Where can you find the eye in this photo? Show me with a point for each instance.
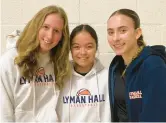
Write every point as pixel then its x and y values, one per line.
pixel 123 31
pixel 45 27
pixel 110 32
pixel 89 46
pixel 56 31
pixel 75 47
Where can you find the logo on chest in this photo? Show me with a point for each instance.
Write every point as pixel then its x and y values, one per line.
pixel 40 78
pixel 135 95
pixel 83 98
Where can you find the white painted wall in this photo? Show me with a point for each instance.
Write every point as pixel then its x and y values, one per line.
pixel 16 13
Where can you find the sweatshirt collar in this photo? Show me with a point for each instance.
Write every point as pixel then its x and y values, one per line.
pixel 97 67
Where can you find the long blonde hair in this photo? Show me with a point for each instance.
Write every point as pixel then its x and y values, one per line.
pixel 28 46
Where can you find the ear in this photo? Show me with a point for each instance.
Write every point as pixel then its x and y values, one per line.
pixel 138 33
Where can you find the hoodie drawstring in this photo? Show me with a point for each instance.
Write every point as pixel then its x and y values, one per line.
pixel 34 100
pixel 70 95
pixel 98 106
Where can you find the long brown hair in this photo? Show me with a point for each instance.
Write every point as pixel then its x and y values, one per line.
pixel 28 46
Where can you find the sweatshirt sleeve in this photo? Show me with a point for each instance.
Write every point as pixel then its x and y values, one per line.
pixel 6 88
pixel 154 95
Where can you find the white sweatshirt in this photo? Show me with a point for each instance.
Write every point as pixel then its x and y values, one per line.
pixel 27 101
pixel 85 98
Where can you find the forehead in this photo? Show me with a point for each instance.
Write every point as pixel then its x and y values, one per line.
pixel 54 19
pixel 83 38
pixel 119 20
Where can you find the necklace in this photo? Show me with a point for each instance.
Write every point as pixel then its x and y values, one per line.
pixel 134 57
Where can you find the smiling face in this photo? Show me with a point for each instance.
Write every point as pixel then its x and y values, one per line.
pixel 122 35
pixel 51 32
pixel 83 50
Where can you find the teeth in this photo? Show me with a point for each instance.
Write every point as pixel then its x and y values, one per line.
pixel 48 42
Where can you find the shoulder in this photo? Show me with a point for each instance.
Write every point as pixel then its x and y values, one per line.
pixel 104 71
pixel 153 57
pixel 153 71
pixel 103 75
pixel 116 60
pixel 152 68
pixel 7 59
pixel 10 53
pixel 154 61
pixel 8 70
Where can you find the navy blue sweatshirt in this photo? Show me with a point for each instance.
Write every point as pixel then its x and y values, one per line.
pixel 145 92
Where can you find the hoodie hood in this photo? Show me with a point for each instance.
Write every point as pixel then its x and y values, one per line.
pixel 12 39
pixel 97 67
pixel 158 50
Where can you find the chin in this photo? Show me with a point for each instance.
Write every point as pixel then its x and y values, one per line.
pixel 118 53
pixel 82 65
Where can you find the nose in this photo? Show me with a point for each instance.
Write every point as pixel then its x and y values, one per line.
pixel 83 51
pixel 49 34
pixel 116 36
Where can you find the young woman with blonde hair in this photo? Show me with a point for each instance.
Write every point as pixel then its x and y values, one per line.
pixel 32 73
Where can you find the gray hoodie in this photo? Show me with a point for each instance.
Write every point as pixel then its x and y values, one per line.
pixel 85 98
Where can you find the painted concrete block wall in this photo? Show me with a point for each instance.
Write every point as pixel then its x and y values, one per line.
pixel 16 13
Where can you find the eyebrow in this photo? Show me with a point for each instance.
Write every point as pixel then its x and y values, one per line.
pixel 109 29
pixel 74 43
pixel 46 24
pixel 78 44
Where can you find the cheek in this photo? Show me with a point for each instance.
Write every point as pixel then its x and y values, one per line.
pixel 73 53
pixel 57 38
pixel 129 39
pixel 92 53
pixel 110 41
pixel 40 35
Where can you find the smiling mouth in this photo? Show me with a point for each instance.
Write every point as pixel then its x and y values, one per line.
pixel 83 58
pixel 119 45
pixel 47 42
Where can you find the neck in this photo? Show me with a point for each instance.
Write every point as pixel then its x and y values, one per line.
pixel 81 69
pixel 44 53
pixel 43 57
pixel 128 57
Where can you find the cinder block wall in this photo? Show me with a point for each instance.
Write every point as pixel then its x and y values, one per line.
pixel 16 13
